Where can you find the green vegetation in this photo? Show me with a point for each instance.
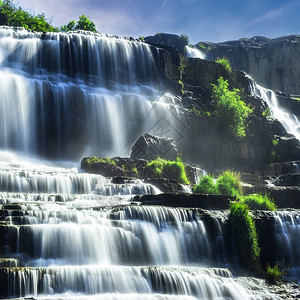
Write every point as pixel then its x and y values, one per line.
pixel 184 38
pixel 245 235
pixel 225 63
pixel 266 113
pixel 206 186
pixel 258 201
pixel 11 15
pixel 274 143
pixel 230 108
pixel 203 47
pixel 168 169
pixel 274 274
pixel 181 68
pixel 94 160
pixel 200 113
pixel 135 171
pixel 83 23
pixel 228 183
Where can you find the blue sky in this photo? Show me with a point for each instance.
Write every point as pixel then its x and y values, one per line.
pixel 209 20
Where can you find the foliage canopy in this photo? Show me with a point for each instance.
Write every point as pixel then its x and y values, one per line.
pixel 12 15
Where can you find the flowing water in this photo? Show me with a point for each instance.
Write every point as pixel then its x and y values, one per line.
pixel 290 121
pixel 287 239
pixel 66 234
pixel 67 95
pixel 194 52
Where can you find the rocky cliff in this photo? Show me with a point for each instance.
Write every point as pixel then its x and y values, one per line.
pixel 273 63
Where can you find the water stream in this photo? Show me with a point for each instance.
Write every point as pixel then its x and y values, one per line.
pixel 66 234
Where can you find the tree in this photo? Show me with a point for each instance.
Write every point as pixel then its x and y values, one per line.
pixel 69 27
pixel 84 23
pixel 15 16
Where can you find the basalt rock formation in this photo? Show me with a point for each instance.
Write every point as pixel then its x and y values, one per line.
pixel 273 63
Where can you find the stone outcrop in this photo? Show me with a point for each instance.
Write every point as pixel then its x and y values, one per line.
pixel 167 39
pixel 149 147
pixel 273 63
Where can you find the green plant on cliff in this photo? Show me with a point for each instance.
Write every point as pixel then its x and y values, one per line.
pixel 266 113
pixel 206 185
pixel 228 183
pixel 95 159
pixel 230 108
pixel 174 169
pixel 259 201
pixel 274 274
pixel 225 63
pixel 12 15
pixel 245 235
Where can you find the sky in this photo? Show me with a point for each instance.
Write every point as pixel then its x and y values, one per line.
pixel 200 20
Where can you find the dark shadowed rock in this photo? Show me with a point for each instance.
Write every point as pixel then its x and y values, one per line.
pixel 150 147
pixel 187 200
pixel 167 39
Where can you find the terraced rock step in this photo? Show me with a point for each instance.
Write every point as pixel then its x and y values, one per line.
pixel 200 283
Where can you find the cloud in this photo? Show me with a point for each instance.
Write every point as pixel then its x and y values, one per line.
pixel 273 14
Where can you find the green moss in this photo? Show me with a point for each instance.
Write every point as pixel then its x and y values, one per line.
pixel 94 159
pixel 245 235
pixel 259 201
pixel 225 63
pixel 135 171
pixel 168 169
pixel 203 47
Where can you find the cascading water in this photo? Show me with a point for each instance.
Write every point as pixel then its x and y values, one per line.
pixel 60 93
pixel 70 235
pixel 287 239
pixel 290 121
pixel 194 52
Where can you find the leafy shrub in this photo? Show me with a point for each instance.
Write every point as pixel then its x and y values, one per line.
pixel 228 183
pixel 206 185
pixel 225 63
pixel 83 23
pixel 230 108
pixel 168 169
pixel 266 113
pixel 259 201
pixel 12 15
pixel 245 235
pixel 94 159
pixel 274 274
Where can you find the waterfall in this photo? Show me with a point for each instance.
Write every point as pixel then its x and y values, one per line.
pixel 65 234
pixel 290 121
pixel 194 52
pixel 287 239
pixel 69 95
pixel 71 235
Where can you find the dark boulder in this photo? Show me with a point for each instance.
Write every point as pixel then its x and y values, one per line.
pixel 150 147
